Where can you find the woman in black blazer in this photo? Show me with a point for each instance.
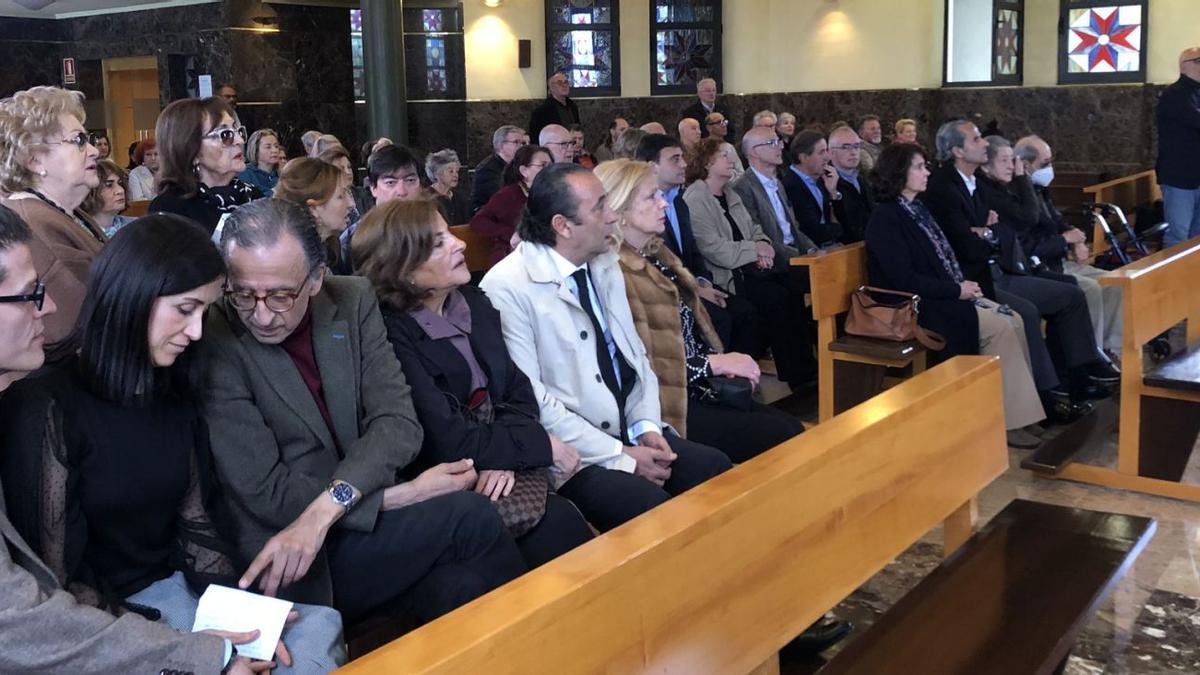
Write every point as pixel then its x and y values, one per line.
pixel 907 251
pixel 472 400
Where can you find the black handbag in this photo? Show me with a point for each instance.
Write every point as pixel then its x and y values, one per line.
pixel 731 392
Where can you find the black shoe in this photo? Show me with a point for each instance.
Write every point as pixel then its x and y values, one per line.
pixel 822 635
pixel 1094 392
pixel 1060 412
pixel 1104 374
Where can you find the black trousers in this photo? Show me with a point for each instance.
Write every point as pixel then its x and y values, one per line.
pixel 423 560
pixel 561 529
pixel 737 325
pixel 740 434
pixel 1064 307
pixel 608 497
pixel 778 301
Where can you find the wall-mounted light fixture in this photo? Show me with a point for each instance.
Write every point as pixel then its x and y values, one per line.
pixel 492 3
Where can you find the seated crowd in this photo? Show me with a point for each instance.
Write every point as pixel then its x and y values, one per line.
pixel 281 381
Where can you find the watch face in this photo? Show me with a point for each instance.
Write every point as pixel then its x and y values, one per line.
pixel 342 493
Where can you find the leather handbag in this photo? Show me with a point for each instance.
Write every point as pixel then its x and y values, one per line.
pixel 731 392
pixel 895 321
pixel 525 505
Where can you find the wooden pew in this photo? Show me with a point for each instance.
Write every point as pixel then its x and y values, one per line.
pixel 850 369
pixel 136 209
pixel 479 248
pixel 1128 193
pixel 1159 410
pixel 720 578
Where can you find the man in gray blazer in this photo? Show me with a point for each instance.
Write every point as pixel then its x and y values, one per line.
pixel 764 198
pixel 311 419
pixel 567 325
pixel 44 629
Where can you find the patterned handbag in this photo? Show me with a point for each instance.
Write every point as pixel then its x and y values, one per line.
pixel 525 505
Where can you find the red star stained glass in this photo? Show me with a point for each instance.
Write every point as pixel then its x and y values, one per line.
pixel 1105 39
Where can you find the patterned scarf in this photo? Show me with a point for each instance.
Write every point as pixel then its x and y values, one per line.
pixel 228 197
pixel 924 219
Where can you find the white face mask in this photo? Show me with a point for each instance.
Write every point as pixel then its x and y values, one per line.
pixel 1043 176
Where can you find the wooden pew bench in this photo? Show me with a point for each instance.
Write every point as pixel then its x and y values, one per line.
pixel 718 579
pixel 136 209
pixel 1159 410
pixel 850 369
pixel 479 248
pixel 1013 599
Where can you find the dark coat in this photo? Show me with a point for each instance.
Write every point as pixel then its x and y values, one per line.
pixel 498 219
pixel 172 200
pixel 441 379
pixel 697 112
pixel 1045 240
pixel 853 210
pixel 686 250
pixel 552 112
pixel 489 178
pixel 900 257
pixel 808 212
pixel 1178 117
pixel 956 211
pixel 1017 207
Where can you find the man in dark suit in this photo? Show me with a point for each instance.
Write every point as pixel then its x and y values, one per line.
pixel 853 210
pixel 489 174
pixel 811 185
pixel 310 420
pixel 558 108
pixel 732 317
pixel 764 198
pixel 706 102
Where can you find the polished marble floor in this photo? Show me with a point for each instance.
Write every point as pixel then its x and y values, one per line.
pixel 1150 623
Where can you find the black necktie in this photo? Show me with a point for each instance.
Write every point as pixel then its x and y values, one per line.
pixel 604 358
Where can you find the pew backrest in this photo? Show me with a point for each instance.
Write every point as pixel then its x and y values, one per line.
pixel 1128 192
pixel 479 248
pixel 1158 293
pixel 136 209
pixel 835 274
pixel 718 579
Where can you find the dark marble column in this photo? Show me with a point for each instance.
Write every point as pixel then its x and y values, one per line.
pixel 383 51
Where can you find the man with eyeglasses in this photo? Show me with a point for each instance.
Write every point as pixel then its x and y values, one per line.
pixel 44 629
pixel 311 420
pixel 853 210
pixel 489 173
pixel 557 139
pixel 558 108
pixel 706 103
pixel 764 198
pixel 1178 167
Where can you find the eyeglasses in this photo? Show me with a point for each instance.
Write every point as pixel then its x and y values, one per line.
pixel 276 301
pixel 37 297
pixel 718 123
pixel 227 135
pixel 519 142
pixel 80 140
pixel 559 143
pixel 847 146
pixel 774 143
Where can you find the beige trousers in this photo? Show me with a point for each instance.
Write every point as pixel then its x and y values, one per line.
pixel 1004 336
pixel 1105 304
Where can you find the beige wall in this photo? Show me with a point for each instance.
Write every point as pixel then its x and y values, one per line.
pixel 794 45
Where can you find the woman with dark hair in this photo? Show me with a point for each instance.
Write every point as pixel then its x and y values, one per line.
pixel 471 399
pixel 324 190
pixel 201 153
pixel 134 162
pixel 907 251
pixel 498 217
pixel 682 344
pixel 604 151
pixel 742 260
pixel 105 202
pixel 106 459
pixel 102 144
pixel 262 160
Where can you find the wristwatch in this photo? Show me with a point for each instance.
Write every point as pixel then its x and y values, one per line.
pixel 342 493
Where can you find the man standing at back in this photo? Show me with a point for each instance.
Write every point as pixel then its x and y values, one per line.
pixel 567 324
pixel 706 95
pixel 558 108
pixel 310 420
pixel 1178 166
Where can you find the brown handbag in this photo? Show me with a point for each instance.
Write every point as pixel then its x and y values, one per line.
pixel 896 321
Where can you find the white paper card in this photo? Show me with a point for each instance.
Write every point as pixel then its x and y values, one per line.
pixel 204 84
pixel 224 608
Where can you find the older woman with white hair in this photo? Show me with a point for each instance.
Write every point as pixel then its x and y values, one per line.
pixel 47 169
pixel 442 168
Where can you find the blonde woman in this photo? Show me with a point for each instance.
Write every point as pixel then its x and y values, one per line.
pixel 324 190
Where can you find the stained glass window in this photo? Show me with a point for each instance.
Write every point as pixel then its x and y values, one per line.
pixel 685 38
pixel 1000 24
pixel 434 58
pixel 583 41
pixel 1102 41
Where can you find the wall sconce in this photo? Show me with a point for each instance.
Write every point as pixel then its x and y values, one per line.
pixel 492 3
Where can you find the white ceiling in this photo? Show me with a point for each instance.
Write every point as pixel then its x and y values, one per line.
pixel 65 9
